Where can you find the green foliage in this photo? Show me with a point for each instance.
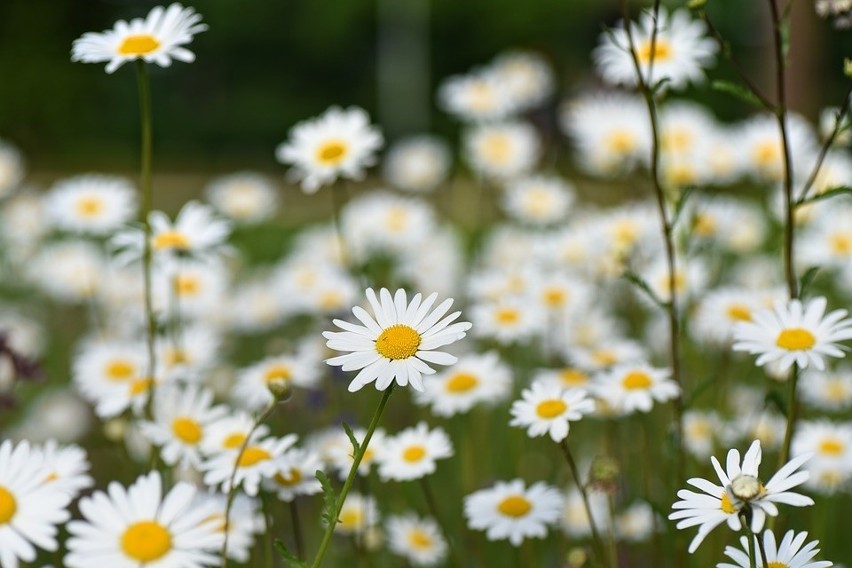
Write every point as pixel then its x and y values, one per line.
pixel 290 560
pixel 738 91
pixel 833 192
pixel 329 497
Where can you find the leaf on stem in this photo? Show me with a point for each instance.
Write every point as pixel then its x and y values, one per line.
pixel 640 283
pixel 738 91
pixel 807 279
pixel 329 509
pixel 833 192
pixel 290 559
pixel 356 447
pixel 681 203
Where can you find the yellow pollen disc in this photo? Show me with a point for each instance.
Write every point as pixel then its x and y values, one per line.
pixel 120 370
pixel 662 51
pixel 461 382
pixel 497 148
pixel 704 225
pixel 739 312
pixel 677 140
pixel 835 391
pixel 351 518
pixel 767 153
pixel 831 446
pixel 573 377
pixel 8 506
pixel 290 479
pixel 146 541
pixel 419 539
pixel 140 386
pixel 90 206
pixel 234 441
pixel 396 219
pixel 841 244
pixel 605 357
pixel 186 285
pixel 681 174
pixel 398 342
pixel 621 141
pixel 795 339
pixel 636 380
pixel 514 506
pixel 414 454
pixel 253 456
pixel 555 297
pixel 776 564
pixel 142 44
pixel 332 152
pixel 51 477
pixel 369 454
pixel 277 373
pixel 187 430
pixel 176 357
pixel 550 408
pixel 727 505
pixel 507 316
pixel 330 300
pixel 170 240
pixel 481 96
pixel 625 232
pixel 831 478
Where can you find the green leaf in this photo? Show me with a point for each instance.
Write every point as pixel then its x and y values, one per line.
pixel 833 192
pixel 681 203
pixel 807 279
pixel 738 91
pixel 288 557
pixel 356 447
pixel 637 281
pixel 329 509
pixel 784 28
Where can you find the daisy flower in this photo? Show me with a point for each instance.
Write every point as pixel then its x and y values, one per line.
pixel 417 164
pixel 830 443
pixel 398 343
pixel 30 509
pixel 139 527
pixel 510 510
pixel 258 461
pixel 339 143
pixel 66 466
pixel 253 383
pixel 574 518
pixel 794 333
pixel 628 388
pixel 538 200
pixel 411 454
pixel 474 379
pixel 548 409
pixel 504 150
pixel 11 168
pixel 680 52
pixel 336 450
pixel 297 475
pixel 479 96
pixel 508 320
pixel 94 204
pixel 245 521
pixel 229 432
pixel 358 515
pixel 417 540
pixel 245 197
pixel 636 523
pixel 790 553
pixel 158 38
pixel 525 76
pixel 700 431
pixel 740 486
pixel 830 391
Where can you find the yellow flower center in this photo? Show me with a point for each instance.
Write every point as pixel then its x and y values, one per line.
pixel 234 440
pixel 461 382
pixel 605 357
pixel 704 225
pixel 141 44
pixel 419 539
pixel 507 316
pixel 555 297
pixel 398 342
pixel 8 506
pixel 396 219
pixel 187 285
pixel 677 140
pixel 146 541
pixel 514 506
pixel 90 206
pixel 277 372
pixel 831 446
pixel 171 240
pixel 289 479
pixel 332 152
pixel 176 357
pixel 621 141
pixel 253 456
pixel 414 454
pixel 187 430
pixel 739 312
pixel 662 51
pixel 767 153
pixel 140 386
pixel 795 339
pixel 776 564
pixel 119 370
pixel 636 380
pixel 727 505
pixel 551 408
pixel 841 244
pixel 497 148
pixel 835 390
pixel 573 377
pixel 351 518
pixel 681 174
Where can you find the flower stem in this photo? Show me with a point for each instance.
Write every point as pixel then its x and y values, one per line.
pixel 432 503
pixel 575 473
pixel 297 529
pixel 347 485
pixel 746 522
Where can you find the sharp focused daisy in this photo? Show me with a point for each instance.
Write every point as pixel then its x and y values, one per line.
pixel 794 333
pixel 139 527
pixel 512 511
pixel 548 409
pixel 417 540
pixel 340 143
pixel 740 487
pixel 158 38
pixel 411 454
pixel 399 342
pixel 788 554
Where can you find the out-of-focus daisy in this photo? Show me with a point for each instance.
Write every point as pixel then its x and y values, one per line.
pixel 636 523
pixel 719 310
pixel 107 374
pixel 548 409
pixel 525 76
pixel 245 521
pixel 66 467
pixel 508 320
pixel 229 432
pixel 575 518
pixel 838 10
pixel 701 430
pixel 358 515
pixel 828 121
pixel 245 197
pixel 628 388
pixel 767 426
pixel 253 383
pixel 417 540
pixel 679 53
pixel 417 164
pixel 140 527
pixel 95 204
pixel 55 414
pixel 399 342
pixel 788 554
pixel 258 461
pixel 510 510
pixel 829 390
pixel 159 38
pixel 538 200
pixel 502 150
pixel 740 486
pixel 411 453
pixel 30 509
pixel 734 224
pixel 189 289
pixel 474 379
pixel 827 240
pixel 478 96
pixel 566 378
pixel 794 333
pixel 23 223
pixel 339 143
pixel 689 279
pixel 69 271
pixel 763 147
pixel 608 353
pixel 297 474
pixel 338 452
pixel 830 443
pixel 11 168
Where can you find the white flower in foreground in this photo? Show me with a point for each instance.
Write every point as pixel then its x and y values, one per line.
pixel 417 540
pixel 138 527
pixel 411 454
pixel 261 459
pixel 794 333
pixel 158 38
pixel 66 467
pixel 509 510
pixel 790 554
pixel 340 143
pixel 740 486
pixel 398 343
pixel 29 508
pixel 548 409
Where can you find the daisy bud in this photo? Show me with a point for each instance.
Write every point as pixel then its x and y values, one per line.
pixel 281 389
pixel 604 473
pixel 746 487
pixel 577 557
pixel 114 429
pixel 696 4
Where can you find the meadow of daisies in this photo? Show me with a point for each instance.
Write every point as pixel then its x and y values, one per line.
pixel 657 382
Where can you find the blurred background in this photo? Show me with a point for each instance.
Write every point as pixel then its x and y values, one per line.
pixel 265 65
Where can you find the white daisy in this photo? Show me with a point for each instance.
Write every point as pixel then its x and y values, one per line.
pixel 719 310
pixel 508 320
pixel 538 200
pixel 138 527
pixel 548 409
pixel 105 373
pixel 11 168
pixel 417 540
pixel 628 388
pixel 339 143
pixel 829 391
pixel 476 97
pixel 158 38
pixel 397 344
pixel 474 379
pixel 790 553
pixel 525 76
pixel 336 450
pixel 503 150
pixel 358 514
pixel 418 164
pixel 701 430
pixel 259 460
pixel 298 468
pixel 229 432
pixel 636 523
pixel 245 521
pixel 830 444
pixel 510 510
pixel 245 197
pixel 66 467
pixel 69 271
pixel 94 204
pixel 253 383
pixel 794 333
pixel 411 453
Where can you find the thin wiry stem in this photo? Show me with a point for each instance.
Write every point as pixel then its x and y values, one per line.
pixel 597 542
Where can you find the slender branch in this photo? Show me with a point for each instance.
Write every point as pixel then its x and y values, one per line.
pixel 297 529
pixel 746 522
pixel 841 114
pixel 600 550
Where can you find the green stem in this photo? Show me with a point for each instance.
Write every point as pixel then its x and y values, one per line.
pixel 432 503
pixel 297 529
pixel 746 522
pixel 267 536
pixel 347 485
pixel 575 473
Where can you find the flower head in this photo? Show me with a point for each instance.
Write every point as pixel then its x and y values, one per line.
pixel 790 553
